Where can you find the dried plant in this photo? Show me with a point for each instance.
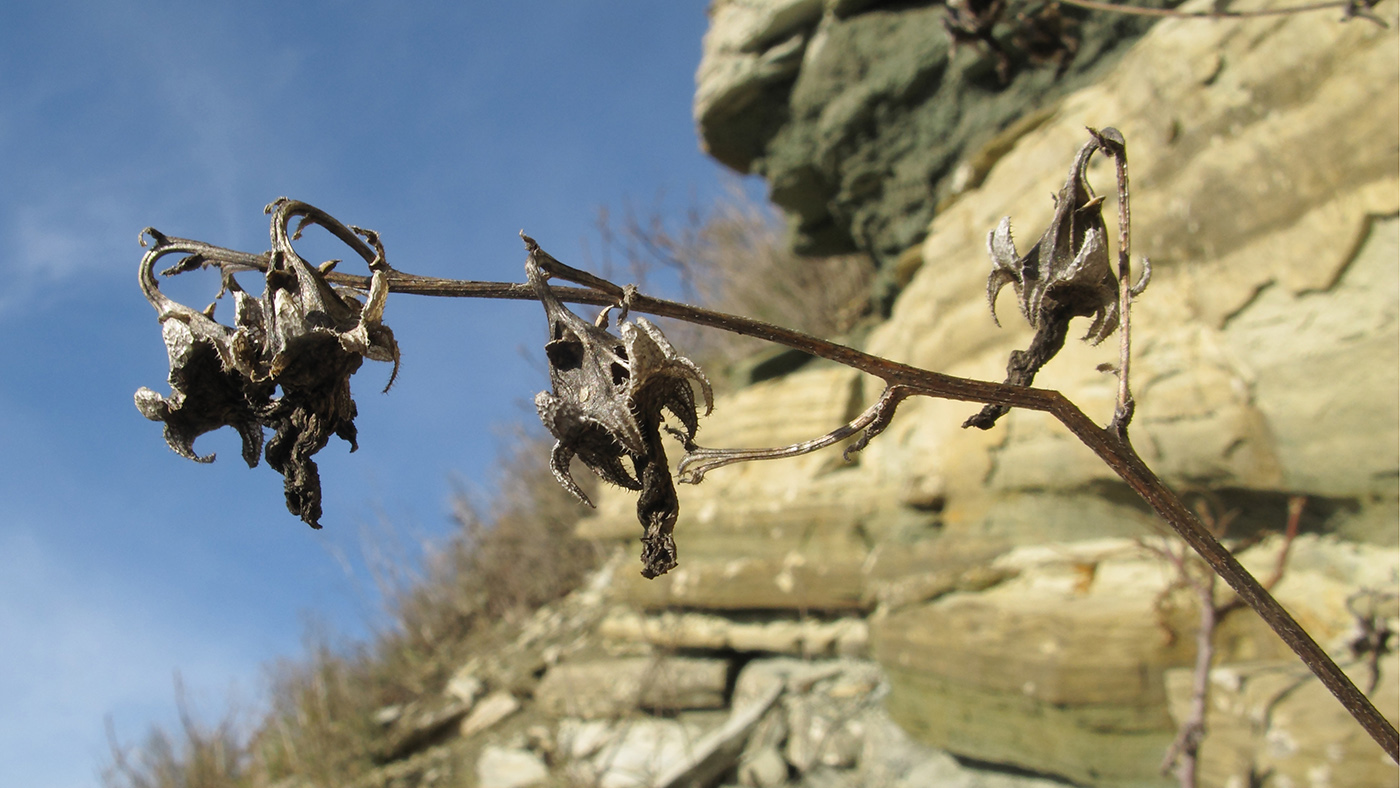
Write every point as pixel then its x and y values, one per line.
pixel 199 756
pixel 1351 9
pixel 302 336
pixel 1371 633
pixel 1040 33
pixel 607 403
pixel 1037 32
pixel 609 391
pixel 1065 275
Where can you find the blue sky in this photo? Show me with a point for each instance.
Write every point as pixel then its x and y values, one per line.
pixel 447 128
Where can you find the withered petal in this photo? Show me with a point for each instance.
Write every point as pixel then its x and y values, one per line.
pixel 578 434
pixel 206 393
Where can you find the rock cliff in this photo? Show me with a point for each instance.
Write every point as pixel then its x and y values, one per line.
pixel 1264 185
pixel 997 595
pixel 857 113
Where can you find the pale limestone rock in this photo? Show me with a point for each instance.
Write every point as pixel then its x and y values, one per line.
pixel 492 709
pixel 1321 573
pixel 1334 441
pixel 943 771
pixel 1264 157
pixel 616 687
pixel 388 715
pixel 1056 670
pixel 643 750
pixel 499 767
pixel 674 630
pixel 855 111
pixel 750 46
pixel 465 686
pixel 822 731
pixel 718 751
pixel 580 739
pixel 792 582
pixel 765 768
pixel 1076 642
pixel 421 724
pixel 1266 173
pixel 821 701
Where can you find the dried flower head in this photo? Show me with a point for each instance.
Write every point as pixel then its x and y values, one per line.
pixel 1066 274
pixel 302 336
pixel 606 406
pixel 316 337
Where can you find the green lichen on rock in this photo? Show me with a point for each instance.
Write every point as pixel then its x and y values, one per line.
pixel 858 116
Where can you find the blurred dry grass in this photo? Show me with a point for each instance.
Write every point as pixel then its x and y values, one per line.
pixel 733 257
pixel 194 756
pixel 506 560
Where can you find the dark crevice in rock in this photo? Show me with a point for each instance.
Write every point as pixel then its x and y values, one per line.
pixel 1010 770
pixel 1257 512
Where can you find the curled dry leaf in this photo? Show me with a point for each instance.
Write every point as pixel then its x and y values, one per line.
pixel 1065 274
pixel 207 388
pixel 606 407
pixel 302 337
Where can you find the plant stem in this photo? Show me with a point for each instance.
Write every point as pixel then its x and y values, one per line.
pixel 1350 8
pixel 1111 142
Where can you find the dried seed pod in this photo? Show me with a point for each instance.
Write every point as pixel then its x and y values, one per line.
pixel 1066 274
pixel 606 406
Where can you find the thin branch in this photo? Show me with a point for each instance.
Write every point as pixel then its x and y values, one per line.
pixel 1183 755
pixel 699 460
pixel 1350 8
pixel 1290 534
pixel 1116 453
pixel 1111 142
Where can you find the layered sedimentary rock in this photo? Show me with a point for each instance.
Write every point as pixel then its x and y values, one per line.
pixel 1001 595
pixel 1264 164
pixel 857 112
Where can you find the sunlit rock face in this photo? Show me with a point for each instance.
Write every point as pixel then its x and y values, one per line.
pixel 995 594
pixel 1263 159
pixel 858 113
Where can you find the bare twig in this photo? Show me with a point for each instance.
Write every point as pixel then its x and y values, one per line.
pixel 1290 533
pixel 1373 633
pixel 1111 142
pixel 699 460
pixel 1182 755
pixel 1350 9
